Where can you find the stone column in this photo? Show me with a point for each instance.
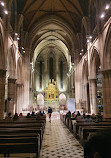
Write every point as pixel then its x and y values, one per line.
pixel 19 98
pixel 18 95
pixel 86 97
pixel 11 95
pixel 57 71
pixel 106 79
pixel 22 97
pixel 2 92
pixel 20 105
pixel 26 79
pixel 45 72
pixel 93 96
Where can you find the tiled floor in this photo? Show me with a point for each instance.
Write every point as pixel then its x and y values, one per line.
pixel 59 142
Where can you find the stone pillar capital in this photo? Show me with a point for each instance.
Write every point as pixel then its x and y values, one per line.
pixel 106 72
pixel 19 85
pixel 92 79
pixel 12 80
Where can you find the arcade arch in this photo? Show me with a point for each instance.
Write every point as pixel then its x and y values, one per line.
pixel 95 77
pixel 2 69
pixel 107 74
pixel 85 87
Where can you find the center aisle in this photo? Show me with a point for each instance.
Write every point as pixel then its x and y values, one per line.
pixel 58 141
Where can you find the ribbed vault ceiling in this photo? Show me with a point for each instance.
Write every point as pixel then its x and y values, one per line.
pixel 71 11
pixel 53 35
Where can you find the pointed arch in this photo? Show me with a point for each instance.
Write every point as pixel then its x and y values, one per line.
pixel 107 50
pixel 94 62
pixel 2 54
pixel 11 61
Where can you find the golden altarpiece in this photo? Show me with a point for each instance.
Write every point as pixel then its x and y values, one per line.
pixel 51 95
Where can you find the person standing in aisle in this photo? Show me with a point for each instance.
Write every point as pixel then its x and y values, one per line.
pixel 49 113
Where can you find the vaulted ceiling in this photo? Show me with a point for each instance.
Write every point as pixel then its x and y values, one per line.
pixel 71 11
pixel 37 19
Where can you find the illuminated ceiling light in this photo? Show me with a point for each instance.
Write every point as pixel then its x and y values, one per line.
pixel 107 6
pixel 90 37
pixel 88 40
pixel 6 12
pixel 18 38
pixel 102 15
pixel 23 51
pixel 22 48
pixel 2 3
pixel 16 34
pixel 80 53
pixel 82 50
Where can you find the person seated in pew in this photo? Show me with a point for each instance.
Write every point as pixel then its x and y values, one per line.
pixel 73 116
pixel 33 114
pixel 43 112
pixel 99 145
pixel 28 115
pixel 20 115
pixel 93 116
pixel 40 113
pixel 9 116
pixel 88 118
pixel 84 116
pixel 78 114
pixel 38 116
pixel 98 119
pixel 68 114
pixel 15 117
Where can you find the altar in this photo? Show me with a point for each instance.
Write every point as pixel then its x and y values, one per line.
pixel 53 104
pixel 51 96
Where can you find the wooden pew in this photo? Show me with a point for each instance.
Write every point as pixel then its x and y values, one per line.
pixel 67 122
pixel 25 120
pixel 20 145
pixel 22 121
pixel 21 132
pixel 76 126
pixel 13 131
pixel 26 125
pixel 87 131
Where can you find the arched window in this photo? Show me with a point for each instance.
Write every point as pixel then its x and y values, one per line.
pixel 61 73
pixel 51 68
